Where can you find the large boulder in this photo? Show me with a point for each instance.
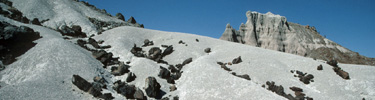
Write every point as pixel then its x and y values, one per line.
pixel 343 74
pixel 152 87
pixel 131 77
pixel 121 69
pixel 164 73
pixel 139 95
pixel 137 51
pixel 81 83
pixel 168 51
pixel 155 54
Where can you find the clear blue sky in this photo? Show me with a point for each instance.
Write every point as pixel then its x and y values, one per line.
pixel 350 23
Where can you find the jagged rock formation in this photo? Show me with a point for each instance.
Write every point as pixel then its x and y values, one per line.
pixel 274 32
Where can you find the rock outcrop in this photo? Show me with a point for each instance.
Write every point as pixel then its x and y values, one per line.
pixel 274 32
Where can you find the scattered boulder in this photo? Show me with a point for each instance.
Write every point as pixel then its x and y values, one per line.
pixel 225 68
pixel 168 51
pixel 173 69
pixel 147 43
pixel 274 88
pixel 25 20
pixel 304 77
pixel 320 67
pixel 35 21
pixel 81 83
pixel 137 51
pixel 132 20
pixel 139 95
pixel 245 76
pixel 296 89
pixel 197 40
pixel 121 69
pixel 207 50
pixel 220 63
pixel 332 63
pixel 155 54
pixel 164 73
pixel 172 88
pixel 120 16
pixel 237 60
pixel 152 87
pixel 341 73
pixel 131 77
pixel 187 61
pixel 181 42
pixel 75 31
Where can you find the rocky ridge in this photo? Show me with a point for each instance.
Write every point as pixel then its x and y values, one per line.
pixel 274 32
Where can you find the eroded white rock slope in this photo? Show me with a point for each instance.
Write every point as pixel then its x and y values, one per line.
pixel 45 71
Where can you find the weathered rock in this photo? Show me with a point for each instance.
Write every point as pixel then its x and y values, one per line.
pixel 128 91
pixel 296 89
pixel 120 16
pixel 245 76
pixel 320 67
pixel 197 40
pixel 173 69
pixel 341 73
pixel 137 51
pixel 176 76
pixel 132 20
pixel 332 63
pixel 187 61
pixel 131 77
pixel 25 20
pixel 168 51
pixel 121 70
pixel 274 88
pixel 164 73
pixel 152 87
pixel 35 21
pixel 225 68
pixel 94 43
pixel 181 42
pixel 155 54
pixel 237 60
pixel 139 95
pixel 172 88
pixel 147 43
pixel 81 83
pixel 207 50
pixel 220 63
pixel 75 31
pixel 107 96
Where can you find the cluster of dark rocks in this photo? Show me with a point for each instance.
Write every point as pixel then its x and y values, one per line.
pixel 279 90
pixel 155 53
pixel 303 77
pixel 15 14
pixel 234 61
pixel 15 41
pixel 343 74
pixel 93 88
pixel 129 91
pixel 74 31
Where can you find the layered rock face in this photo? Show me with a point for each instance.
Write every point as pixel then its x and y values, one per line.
pixel 274 32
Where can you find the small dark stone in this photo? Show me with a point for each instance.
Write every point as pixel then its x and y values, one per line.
pixel 131 77
pixel 225 68
pixel 320 67
pixel 137 51
pixel 207 50
pixel 35 21
pixel 168 51
pixel 296 89
pixel 197 40
pixel 172 88
pixel 155 54
pixel 341 73
pixel 187 61
pixel 332 63
pixel 107 96
pixel 220 63
pixel 121 70
pixel 237 60
pixel 181 42
pixel 245 76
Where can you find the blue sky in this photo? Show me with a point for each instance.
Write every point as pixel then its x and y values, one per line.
pixel 349 23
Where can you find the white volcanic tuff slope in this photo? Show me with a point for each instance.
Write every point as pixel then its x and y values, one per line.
pixel 273 32
pixel 204 79
pixel 45 71
pixel 62 12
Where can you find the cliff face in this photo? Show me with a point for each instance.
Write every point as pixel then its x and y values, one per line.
pixel 274 32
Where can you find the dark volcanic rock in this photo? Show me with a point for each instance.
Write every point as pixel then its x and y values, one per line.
pixel 187 61
pixel 172 88
pixel 332 63
pixel 75 31
pixel 147 43
pixel 173 69
pixel 168 51
pixel 207 50
pixel 164 73
pixel 121 69
pixel 139 95
pixel 131 77
pixel 296 89
pixel 132 20
pixel 320 67
pixel 245 76
pixel 237 60
pixel 137 51
pixel 35 21
pixel 341 73
pixel 155 54
pixel 152 87
pixel 120 16
pixel 81 83
pixel 225 68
